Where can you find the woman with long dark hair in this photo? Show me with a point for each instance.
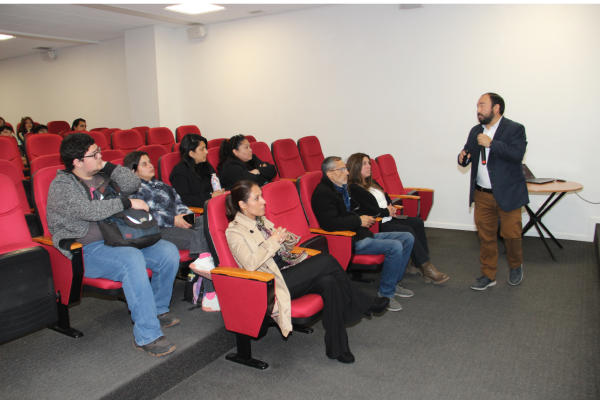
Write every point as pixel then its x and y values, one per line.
pixel 191 177
pixel 25 127
pixel 374 200
pixel 237 163
pixel 257 245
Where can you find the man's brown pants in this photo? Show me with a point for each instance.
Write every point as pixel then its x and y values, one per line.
pixel 487 214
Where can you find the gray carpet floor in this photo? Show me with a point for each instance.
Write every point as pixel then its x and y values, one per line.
pixel 538 340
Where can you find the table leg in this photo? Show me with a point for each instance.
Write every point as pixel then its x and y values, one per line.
pixel 544 240
pixel 535 219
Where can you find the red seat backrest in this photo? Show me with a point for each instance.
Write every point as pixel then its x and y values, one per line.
pixel 12 219
pixel 261 149
pixel 9 151
pixel 155 152
pixel 118 161
pixel 311 153
pixel 42 144
pixel 287 158
pixel 100 140
pixel 284 208
pixel 142 130
pixel 184 130
pixel 111 155
pixel 161 136
pixel 108 135
pixel 176 147
pixel 58 126
pixel 306 186
pixel 213 157
pixel 16 176
pixel 98 129
pixel 127 140
pixel 376 174
pixel 214 143
pixel 217 224
pixel 50 160
pixel 251 139
pixel 165 165
pixel 41 185
pixel 389 174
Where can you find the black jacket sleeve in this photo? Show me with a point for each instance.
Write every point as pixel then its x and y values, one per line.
pixel 234 171
pixel 268 172
pixel 368 202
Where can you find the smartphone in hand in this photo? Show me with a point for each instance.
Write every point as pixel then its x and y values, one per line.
pixel 190 218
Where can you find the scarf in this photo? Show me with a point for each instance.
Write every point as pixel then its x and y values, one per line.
pixel 344 191
pixel 286 256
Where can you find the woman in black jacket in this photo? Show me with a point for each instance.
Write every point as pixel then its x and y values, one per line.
pixel 191 177
pixel 374 201
pixel 237 163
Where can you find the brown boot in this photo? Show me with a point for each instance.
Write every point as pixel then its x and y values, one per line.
pixel 430 274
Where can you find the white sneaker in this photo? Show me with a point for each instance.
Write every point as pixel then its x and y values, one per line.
pixel 203 265
pixel 210 302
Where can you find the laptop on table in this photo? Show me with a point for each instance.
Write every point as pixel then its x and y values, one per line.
pixel 530 178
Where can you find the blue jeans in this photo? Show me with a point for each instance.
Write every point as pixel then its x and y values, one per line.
pixel 145 299
pixel 396 246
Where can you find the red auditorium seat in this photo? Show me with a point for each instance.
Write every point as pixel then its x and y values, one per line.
pixel 184 130
pixel 68 274
pixel 417 202
pixel 111 155
pixel 17 178
pixel 42 144
pixel 287 159
pixel 155 152
pixel 165 165
pixel 50 160
pixel 311 153
pixel 142 130
pixel 176 147
pixel 261 149
pixel 27 290
pixel 98 129
pixel 214 143
pixel 126 140
pixel 161 136
pixel 58 126
pixel 107 133
pixel 213 157
pixel 99 139
pixel 251 139
pixel 306 186
pixel 247 297
pixel 9 151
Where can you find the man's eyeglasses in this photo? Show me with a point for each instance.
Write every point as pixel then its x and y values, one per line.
pixel 343 169
pixel 96 154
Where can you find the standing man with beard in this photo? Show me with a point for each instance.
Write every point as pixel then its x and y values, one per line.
pixel 498 187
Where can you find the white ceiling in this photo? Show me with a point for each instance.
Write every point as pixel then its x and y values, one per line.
pixel 65 25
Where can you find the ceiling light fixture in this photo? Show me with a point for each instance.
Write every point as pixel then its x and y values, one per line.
pixel 194 8
pixel 5 37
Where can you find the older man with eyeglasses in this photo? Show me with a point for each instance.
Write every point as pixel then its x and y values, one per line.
pixel 336 211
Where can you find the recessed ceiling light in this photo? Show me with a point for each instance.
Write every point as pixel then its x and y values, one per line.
pixel 194 8
pixel 5 37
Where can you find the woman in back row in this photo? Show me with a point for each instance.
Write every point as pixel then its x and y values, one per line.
pixel 237 163
pixel 374 200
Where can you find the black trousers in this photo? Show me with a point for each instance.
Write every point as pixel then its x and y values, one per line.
pixel 416 227
pixel 343 304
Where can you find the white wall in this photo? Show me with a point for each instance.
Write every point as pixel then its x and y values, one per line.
pixel 87 82
pixel 375 79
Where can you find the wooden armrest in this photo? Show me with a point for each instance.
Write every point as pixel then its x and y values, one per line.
pixel 310 252
pixel 404 196
pixel 420 189
pixel 378 219
pixel 242 273
pixel 196 210
pixel 32 210
pixel 335 233
pixel 290 179
pixel 27 178
pixel 399 207
pixel 48 241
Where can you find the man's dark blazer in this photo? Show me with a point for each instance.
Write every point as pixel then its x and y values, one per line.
pixel 504 164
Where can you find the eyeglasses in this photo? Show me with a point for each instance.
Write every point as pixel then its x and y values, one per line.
pixel 96 154
pixel 343 169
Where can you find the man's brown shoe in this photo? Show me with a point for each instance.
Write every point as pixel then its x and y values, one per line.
pixel 160 347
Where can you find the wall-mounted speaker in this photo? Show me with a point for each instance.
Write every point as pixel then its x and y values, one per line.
pixel 196 32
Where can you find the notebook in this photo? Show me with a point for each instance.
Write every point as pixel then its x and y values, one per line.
pixel 530 178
